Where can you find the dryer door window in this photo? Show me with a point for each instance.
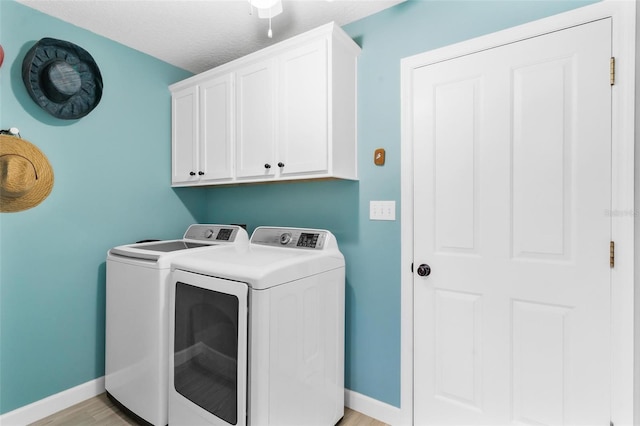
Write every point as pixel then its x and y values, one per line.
pixel 209 351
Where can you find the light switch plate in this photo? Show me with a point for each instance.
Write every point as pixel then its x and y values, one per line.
pixel 382 210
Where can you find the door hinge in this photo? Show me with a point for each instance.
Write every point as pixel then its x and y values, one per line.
pixel 412 267
pixel 612 71
pixel 612 254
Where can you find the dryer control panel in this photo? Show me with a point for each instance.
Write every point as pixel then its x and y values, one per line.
pixel 297 238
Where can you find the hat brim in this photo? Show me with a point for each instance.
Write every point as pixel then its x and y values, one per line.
pixel 34 66
pixel 13 145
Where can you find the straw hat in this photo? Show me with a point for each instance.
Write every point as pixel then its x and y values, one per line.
pixel 26 177
pixel 62 78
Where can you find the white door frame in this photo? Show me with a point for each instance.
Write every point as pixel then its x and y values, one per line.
pixel 624 212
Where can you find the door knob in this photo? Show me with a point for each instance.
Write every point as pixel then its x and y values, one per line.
pixel 192 173
pixel 281 164
pixel 424 270
pixel 267 166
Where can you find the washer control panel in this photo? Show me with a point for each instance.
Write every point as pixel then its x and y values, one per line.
pixel 313 239
pixel 218 233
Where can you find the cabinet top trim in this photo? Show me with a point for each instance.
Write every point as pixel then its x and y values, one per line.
pixel 330 29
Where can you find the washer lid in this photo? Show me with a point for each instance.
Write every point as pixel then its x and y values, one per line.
pixel 196 236
pixel 153 251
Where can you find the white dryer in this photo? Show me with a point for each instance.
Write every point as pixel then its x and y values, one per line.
pixel 257 332
pixel 137 316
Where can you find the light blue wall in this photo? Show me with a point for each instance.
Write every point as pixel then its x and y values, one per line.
pixel 112 172
pixel 112 186
pixel 372 249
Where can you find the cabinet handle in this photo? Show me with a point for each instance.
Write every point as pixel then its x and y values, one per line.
pixel 281 164
pixel 267 166
pixel 200 173
pixel 192 173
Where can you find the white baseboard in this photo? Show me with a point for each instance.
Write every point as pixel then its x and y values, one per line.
pixel 373 408
pixel 52 404
pixel 45 407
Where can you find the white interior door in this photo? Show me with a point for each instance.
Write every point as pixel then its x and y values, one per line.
pixel 512 179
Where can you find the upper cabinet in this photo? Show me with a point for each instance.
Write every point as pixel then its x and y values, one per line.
pixel 285 112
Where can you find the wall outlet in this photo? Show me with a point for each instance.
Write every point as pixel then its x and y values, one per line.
pixel 382 210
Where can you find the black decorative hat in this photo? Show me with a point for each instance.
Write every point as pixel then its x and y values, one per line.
pixel 62 78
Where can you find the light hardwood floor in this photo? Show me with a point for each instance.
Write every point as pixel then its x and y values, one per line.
pixel 100 411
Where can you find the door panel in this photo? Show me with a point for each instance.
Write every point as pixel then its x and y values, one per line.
pixel 458 336
pixel 541 158
pixel 455 204
pixel 512 178
pixel 539 357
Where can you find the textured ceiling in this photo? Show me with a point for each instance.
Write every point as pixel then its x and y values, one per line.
pixel 198 35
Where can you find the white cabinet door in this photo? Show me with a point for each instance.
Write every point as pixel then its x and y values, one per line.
pixel 184 135
pixel 512 179
pixel 303 110
pixel 216 141
pixel 255 121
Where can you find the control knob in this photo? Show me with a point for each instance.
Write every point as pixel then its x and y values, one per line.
pixel 285 238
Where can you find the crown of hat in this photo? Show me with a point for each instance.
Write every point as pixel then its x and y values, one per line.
pixel 17 175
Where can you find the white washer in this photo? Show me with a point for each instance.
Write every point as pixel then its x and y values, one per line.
pixel 257 332
pixel 137 316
